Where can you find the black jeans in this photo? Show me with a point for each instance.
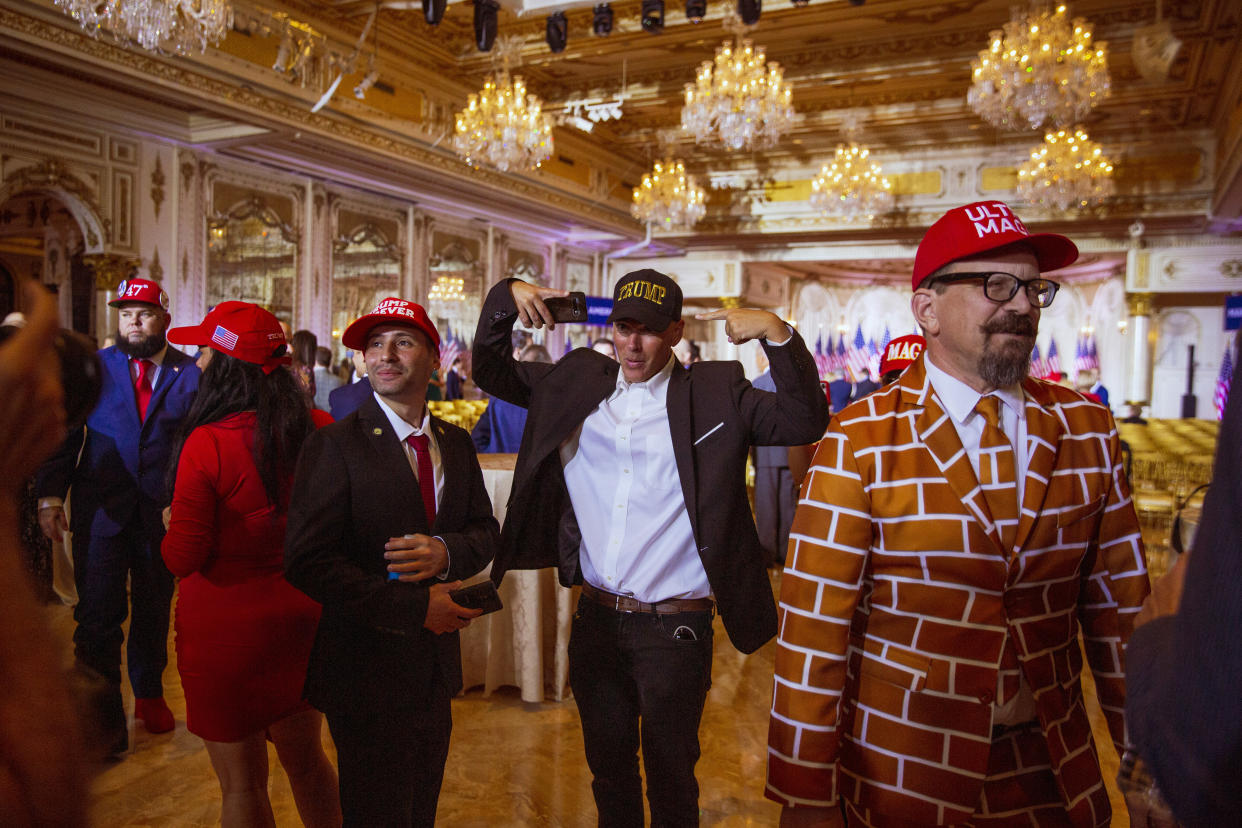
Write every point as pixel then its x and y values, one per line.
pixel 641 675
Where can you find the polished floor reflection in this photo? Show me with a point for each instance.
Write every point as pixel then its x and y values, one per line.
pixel 511 764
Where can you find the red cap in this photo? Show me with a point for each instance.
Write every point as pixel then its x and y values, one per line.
pixel 143 291
pixel 982 227
pixel 900 352
pixel 241 330
pixel 391 311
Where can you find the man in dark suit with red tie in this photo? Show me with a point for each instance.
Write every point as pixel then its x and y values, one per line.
pixel 115 470
pixel 388 512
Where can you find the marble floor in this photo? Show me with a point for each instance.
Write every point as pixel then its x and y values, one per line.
pixel 511 763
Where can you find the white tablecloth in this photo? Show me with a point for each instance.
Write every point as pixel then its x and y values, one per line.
pixel 526 644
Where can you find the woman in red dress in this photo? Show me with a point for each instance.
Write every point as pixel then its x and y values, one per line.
pixel 244 634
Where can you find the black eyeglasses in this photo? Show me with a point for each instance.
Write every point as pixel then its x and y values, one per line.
pixel 1001 287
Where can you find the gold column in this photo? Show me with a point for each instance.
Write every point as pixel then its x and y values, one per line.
pixel 1140 306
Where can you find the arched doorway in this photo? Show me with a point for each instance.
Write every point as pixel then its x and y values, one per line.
pixel 40 239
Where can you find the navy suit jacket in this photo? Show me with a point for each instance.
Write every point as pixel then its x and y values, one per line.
pixel 499 430
pixel 347 399
pixel 841 392
pixel 714 416
pixel 354 490
pixel 121 476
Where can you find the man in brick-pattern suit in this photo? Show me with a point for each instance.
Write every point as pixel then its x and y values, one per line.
pixel 956 533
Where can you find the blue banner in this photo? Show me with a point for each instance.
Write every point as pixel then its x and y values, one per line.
pixel 598 310
pixel 1233 312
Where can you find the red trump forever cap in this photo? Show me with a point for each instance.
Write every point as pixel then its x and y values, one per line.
pixel 241 330
pixel 980 228
pixel 390 311
pixel 142 291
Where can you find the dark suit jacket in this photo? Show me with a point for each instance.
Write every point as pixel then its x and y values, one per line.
pixel 345 400
pixel 841 392
pixel 714 415
pixel 121 475
pixel 1183 672
pixel 354 490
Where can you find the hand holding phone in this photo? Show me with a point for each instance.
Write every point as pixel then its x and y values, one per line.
pixel 482 596
pixel 571 308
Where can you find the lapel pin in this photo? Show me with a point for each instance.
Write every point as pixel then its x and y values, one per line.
pixel 377 431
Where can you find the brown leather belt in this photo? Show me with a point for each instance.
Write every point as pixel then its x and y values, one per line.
pixel 1002 730
pixel 624 603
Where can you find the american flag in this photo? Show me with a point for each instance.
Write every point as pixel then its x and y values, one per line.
pixel 1085 358
pixel 225 338
pixel 873 358
pixel 450 348
pixel 841 360
pixel 1081 358
pixel 821 359
pixel 1052 364
pixel 857 356
pixel 1037 362
pixel 887 338
pixel 1223 382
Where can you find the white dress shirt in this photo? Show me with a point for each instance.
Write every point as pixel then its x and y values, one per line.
pixel 622 478
pixel 959 400
pixel 403 430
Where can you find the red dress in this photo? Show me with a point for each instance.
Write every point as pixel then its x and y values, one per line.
pixel 244 634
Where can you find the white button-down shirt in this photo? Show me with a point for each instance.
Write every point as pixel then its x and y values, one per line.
pixel 403 430
pixel 622 478
pixel 959 401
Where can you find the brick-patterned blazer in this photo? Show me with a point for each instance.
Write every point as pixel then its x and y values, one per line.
pixel 898 596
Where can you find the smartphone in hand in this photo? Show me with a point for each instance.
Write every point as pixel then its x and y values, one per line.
pixel 571 308
pixel 482 595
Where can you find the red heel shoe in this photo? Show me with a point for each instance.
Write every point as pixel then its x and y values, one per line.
pixel 155 715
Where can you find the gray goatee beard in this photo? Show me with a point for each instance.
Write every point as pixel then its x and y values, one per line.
pixel 1006 366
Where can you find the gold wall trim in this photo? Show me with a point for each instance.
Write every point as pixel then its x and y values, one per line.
pixel 267 109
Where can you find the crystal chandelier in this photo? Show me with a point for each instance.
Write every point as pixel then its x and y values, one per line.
pixel 668 197
pixel 1040 68
pixel 447 289
pixel 1067 169
pixel 851 185
pixel 179 26
pixel 503 126
pixel 738 99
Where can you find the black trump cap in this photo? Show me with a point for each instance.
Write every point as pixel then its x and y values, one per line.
pixel 649 297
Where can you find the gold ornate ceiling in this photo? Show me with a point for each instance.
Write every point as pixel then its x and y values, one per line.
pixel 903 65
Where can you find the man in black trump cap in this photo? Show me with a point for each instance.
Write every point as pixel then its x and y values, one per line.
pixel 630 480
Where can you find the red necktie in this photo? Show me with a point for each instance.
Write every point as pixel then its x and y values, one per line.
pixel 142 386
pixel 998 473
pixel 426 476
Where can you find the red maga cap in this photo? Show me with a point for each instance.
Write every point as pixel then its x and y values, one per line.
pixel 390 311
pixel 241 330
pixel 982 227
pixel 143 291
pixel 900 352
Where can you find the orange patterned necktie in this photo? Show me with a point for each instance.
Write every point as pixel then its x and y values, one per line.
pixel 998 473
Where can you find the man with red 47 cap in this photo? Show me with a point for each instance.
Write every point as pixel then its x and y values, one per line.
pixel 958 530
pixel 115 471
pixel 388 513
